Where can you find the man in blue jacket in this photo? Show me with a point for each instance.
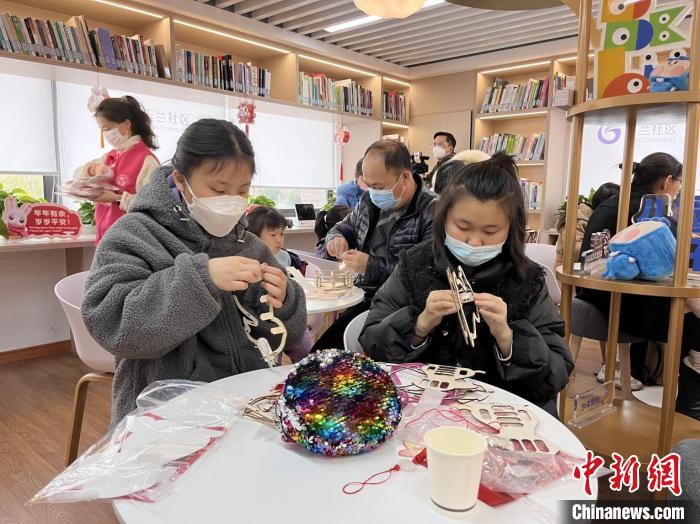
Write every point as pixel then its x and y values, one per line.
pixel 350 193
pixel 393 216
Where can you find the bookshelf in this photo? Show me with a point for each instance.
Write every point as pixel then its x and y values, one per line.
pixel 526 113
pixel 175 31
pixel 635 427
pixel 395 98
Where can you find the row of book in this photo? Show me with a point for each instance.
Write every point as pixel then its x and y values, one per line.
pixel 562 81
pixel 74 42
pixel 533 194
pixel 318 90
pixel 221 72
pixel 521 147
pixel 504 96
pixel 394 106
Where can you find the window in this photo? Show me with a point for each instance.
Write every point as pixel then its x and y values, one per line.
pixel 293 152
pixel 285 198
pixel 32 184
pixel 27 142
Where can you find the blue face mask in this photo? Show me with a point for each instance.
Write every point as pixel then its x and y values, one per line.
pixel 384 198
pixel 472 256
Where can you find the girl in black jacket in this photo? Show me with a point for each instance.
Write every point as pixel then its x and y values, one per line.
pixel 479 225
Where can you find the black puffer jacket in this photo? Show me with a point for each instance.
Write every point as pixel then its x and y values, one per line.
pixel 541 361
pixel 413 227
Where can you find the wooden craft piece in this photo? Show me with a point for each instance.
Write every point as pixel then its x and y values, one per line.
pixel 516 425
pixel 447 378
pixel 463 293
pixel 250 321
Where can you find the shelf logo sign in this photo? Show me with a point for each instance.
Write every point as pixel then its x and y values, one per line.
pixel 631 35
pixel 609 135
pixel 38 220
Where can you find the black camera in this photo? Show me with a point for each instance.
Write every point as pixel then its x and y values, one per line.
pixel 418 165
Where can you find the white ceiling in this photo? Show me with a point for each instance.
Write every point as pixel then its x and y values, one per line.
pixel 435 34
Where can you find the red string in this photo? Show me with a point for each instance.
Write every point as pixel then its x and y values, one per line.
pixel 369 482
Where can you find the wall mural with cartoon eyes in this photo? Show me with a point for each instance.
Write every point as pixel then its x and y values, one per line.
pixel 631 36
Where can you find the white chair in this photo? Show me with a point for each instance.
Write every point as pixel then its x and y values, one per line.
pixel 69 292
pixel 545 255
pixel 352 333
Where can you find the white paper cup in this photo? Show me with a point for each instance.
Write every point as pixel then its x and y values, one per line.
pixel 455 456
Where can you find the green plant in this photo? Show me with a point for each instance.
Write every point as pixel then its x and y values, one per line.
pixel 22 198
pixel 561 210
pixel 87 213
pixel 261 200
pixel 331 202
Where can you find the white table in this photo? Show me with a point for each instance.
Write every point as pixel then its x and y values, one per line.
pixel 317 306
pixel 253 477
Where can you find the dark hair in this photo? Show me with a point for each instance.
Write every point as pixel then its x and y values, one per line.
pixel 449 136
pixel 263 217
pixel 607 190
pixel 215 140
pixel 653 168
pixel 327 219
pixel 358 168
pixel 395 154
pixel 492 179
pixel 443 176
pixel 128 108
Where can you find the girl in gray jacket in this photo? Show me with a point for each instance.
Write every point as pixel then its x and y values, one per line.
pixel 479 226
pixel 178 285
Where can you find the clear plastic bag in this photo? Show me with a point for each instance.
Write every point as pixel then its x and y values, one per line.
pixel 524 471
pixel 504 470
pixel 174 425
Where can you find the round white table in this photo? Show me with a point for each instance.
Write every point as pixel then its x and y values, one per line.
pixel 253 477
pixel 317 306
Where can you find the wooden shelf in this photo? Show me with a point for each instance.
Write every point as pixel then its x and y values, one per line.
pixel 632 430
pixel 390 84
pixel 395 125
pixel 27 60
pixel 316 65
pixel 169 28
pixel 530 163
pixel 631 287
pixel 513 115
pixel 534 211
pixel 614 102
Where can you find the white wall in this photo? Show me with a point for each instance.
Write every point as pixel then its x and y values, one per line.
pixel 441 104
pixel 361 136
pixel 30 314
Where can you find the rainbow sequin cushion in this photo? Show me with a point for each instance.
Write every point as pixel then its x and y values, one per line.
pixel 337 403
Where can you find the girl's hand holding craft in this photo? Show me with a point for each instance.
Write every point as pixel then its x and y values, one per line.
pixel 275 284
pixel 234 273
pixel 439 304
pixel 495 312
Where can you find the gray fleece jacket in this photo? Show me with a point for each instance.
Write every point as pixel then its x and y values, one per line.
pixel 150 302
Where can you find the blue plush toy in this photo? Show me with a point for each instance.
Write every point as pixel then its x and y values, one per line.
pixel 671 75
pixel 645 250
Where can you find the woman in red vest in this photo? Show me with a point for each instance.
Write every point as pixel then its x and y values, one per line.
pixel 127 128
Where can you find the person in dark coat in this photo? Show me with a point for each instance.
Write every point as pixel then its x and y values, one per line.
pixel 393 216
pixel 647 317
pixel 324 223
pixel 479 225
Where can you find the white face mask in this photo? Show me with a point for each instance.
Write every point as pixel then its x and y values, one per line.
pixel 218 215
pixel 114 138
pixel 439 152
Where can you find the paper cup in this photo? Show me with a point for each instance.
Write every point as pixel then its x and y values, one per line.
pixel 455 456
